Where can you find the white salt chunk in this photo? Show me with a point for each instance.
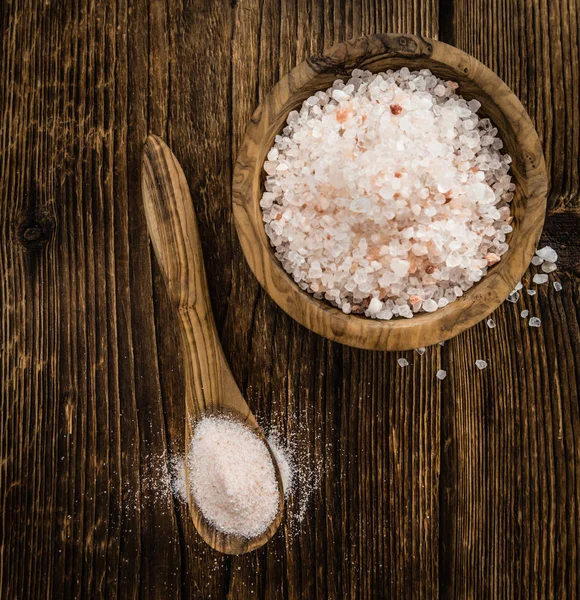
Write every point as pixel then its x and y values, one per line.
pixel 513 297
pixel 480 364
pixel 524 313
pixel 531 292
pixel 491 323
pixel 547 253
pixel 441 374
pixel 557 286
pixel 403 362
pixel 540 278
pixel 534 322
pixel 420 351
pixel 537 261
pixel 549 267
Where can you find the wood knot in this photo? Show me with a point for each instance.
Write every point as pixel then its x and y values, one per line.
pixel 34 232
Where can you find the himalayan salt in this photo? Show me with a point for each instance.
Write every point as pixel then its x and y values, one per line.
pixel 549 267
pixel 548 254
pixel 232 477
pixel 387 195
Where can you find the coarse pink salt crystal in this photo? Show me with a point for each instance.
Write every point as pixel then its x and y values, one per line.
pixel 395 187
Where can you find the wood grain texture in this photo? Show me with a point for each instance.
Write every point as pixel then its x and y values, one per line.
pixel 467 488
pixel 209 387
pixel 377 53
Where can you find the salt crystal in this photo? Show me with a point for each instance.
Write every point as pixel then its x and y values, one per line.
pixel 531 292
pixel 547 253
pixel 534 322
pixel 513 297
pixel 537 261
pixel 480 364
pixel 403 362
pixel 557 286
pixel 430 305
pixel 524 313
pixel 519 286
pixel 420 351
pixel 441 374
pixel 549 267
pixel 540 278
pixel 491 323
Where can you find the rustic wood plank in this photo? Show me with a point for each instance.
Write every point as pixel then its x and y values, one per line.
pixel 511 432
pixel 344 399
pixel 89 367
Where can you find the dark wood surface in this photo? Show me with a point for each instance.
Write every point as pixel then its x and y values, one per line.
pixel 468 488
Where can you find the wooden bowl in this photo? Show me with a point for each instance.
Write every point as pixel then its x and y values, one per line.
pixel 379 53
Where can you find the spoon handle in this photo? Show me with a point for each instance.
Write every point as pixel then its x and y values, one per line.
pixel 172 226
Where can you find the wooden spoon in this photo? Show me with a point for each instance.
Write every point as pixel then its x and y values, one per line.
pixel 209 385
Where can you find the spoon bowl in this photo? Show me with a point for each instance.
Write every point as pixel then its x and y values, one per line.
pixel 378 53
pixel 209 384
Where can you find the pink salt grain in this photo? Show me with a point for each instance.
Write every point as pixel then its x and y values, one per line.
pixel 232 477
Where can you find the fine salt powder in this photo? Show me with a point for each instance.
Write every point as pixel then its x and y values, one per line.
pixel 232 477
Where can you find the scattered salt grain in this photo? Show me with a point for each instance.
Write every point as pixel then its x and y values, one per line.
pixel 420 351
pixel 557 286
pixel 232 477
pixel 547 253
pixel 441 374
pixel 403 362
pixel 524 313
pixel 513 297
pixel 534 322
pixel 531 292
pixel 284 461
pixel 387 195
pixel 537 261
pixel 519 286
pixel 549 267
pixel 480 364
pixel 540 278
pixel 491 323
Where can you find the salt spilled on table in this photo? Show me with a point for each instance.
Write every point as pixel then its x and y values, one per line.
pixel 232 477
pixel 387 194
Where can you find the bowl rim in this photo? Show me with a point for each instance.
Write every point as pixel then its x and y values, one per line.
pixel 424 329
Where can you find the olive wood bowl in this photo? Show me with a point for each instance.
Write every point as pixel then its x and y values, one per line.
pixel 378 53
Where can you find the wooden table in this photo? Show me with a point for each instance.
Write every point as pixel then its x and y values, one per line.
pixel 469 488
